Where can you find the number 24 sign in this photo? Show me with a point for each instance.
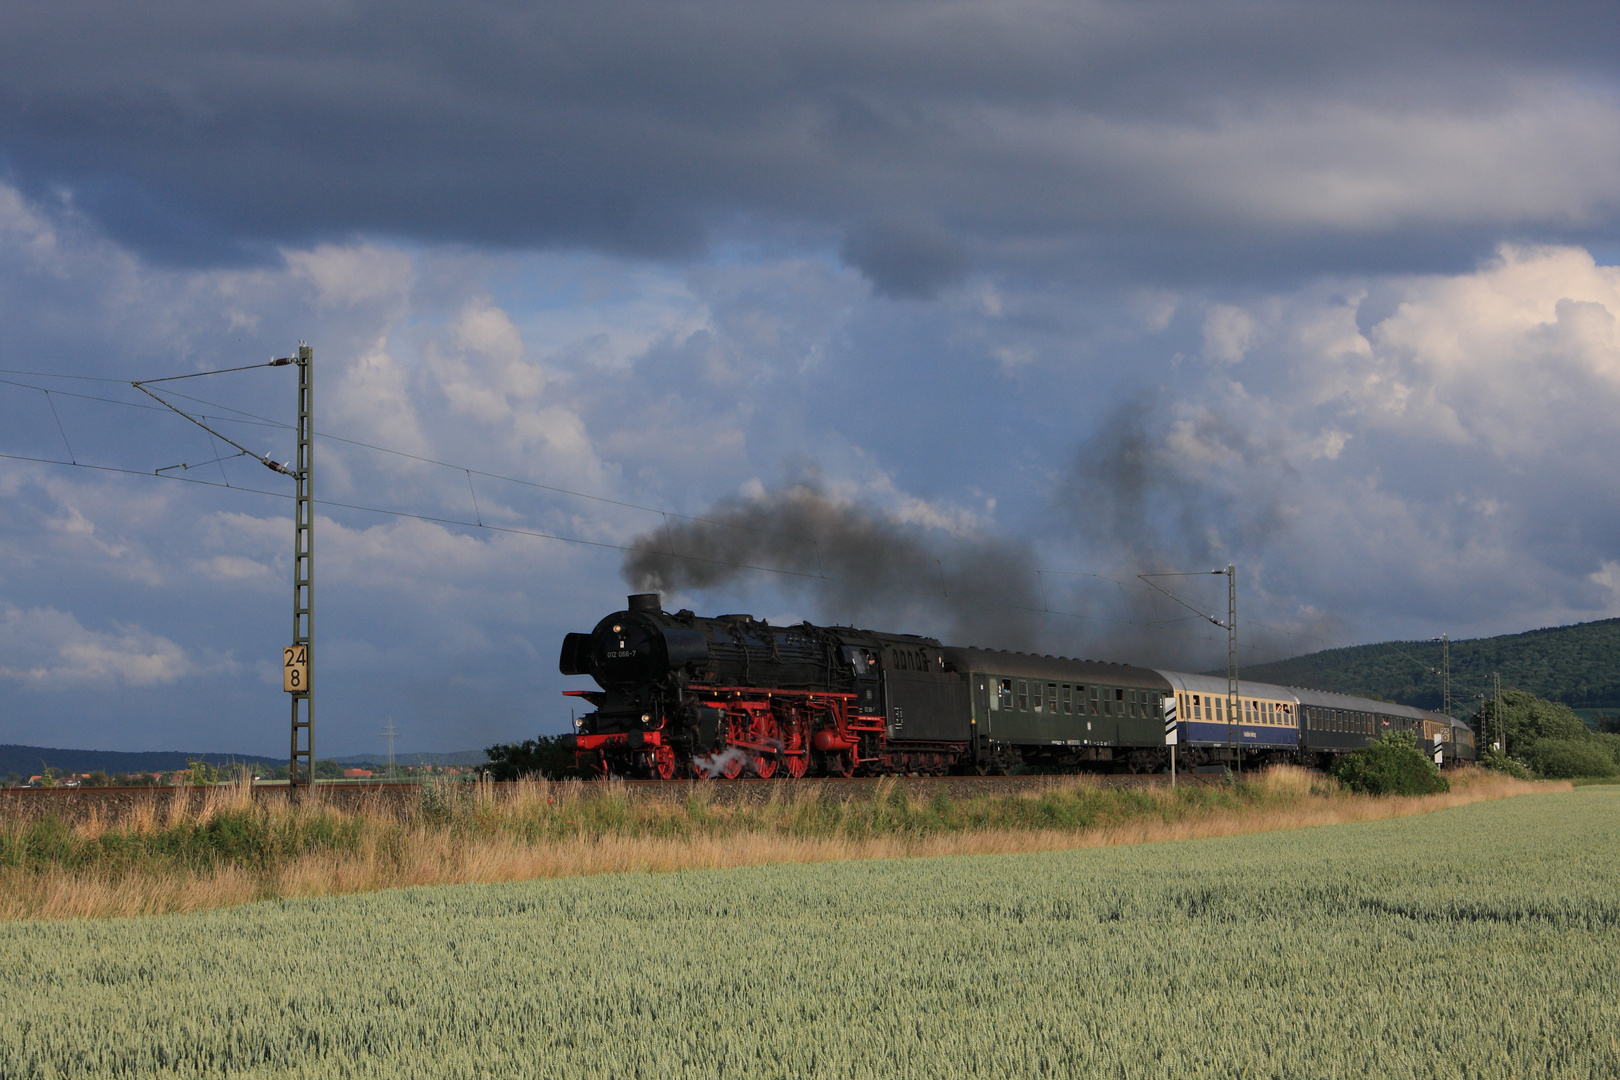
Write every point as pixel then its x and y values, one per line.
pixel 295 669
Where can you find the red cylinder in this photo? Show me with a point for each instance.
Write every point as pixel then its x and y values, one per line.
pixel 829 739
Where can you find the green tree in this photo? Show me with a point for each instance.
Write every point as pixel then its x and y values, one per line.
pixel 327 769
pixel 543 756
pixel 200 773
pixel 1547 737
pixel 1394 765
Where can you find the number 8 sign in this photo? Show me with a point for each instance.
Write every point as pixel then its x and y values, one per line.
pixel 295 669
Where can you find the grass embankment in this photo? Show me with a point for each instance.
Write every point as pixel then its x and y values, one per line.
pixel 1483 942
pixel 166 856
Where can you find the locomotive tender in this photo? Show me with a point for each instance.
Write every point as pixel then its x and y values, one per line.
pixel 686 696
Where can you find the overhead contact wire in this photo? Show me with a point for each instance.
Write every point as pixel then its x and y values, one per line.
pixel 607 545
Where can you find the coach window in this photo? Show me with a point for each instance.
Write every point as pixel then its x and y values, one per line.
pixel 1198 707
pixel 1006 694
pixel 1023 696
pixel 1068 702
pixel 1038 698
pixel 1051 696
pixel 1093 701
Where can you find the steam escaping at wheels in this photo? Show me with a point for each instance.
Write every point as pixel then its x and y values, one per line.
pixel 728 763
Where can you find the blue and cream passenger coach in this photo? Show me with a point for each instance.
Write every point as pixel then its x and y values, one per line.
pixel 1265 722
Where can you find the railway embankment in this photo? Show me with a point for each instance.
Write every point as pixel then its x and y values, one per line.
pixel 77 804
pixel 111 853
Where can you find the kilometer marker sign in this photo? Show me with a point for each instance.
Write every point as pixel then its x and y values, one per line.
pixel 295 669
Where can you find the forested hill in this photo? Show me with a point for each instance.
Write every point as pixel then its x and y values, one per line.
pixel 1578 665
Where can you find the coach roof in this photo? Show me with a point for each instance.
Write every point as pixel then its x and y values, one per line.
pixel 1054 668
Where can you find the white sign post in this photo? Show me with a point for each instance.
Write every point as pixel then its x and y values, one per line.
pixel 1172 734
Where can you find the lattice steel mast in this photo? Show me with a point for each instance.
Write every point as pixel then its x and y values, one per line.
pixel 1445 673
pixel 1233 715
pixel 303 701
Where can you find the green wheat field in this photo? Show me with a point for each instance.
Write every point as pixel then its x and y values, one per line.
pixel 1482 941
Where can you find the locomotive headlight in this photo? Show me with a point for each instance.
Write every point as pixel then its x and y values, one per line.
pixel 646 718
pixel 616 628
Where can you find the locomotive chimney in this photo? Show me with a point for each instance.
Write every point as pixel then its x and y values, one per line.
pixel 646 601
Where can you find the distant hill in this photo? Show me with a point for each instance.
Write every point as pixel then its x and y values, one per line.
pixel 452 757
pixel 1578 665
pixel 26 760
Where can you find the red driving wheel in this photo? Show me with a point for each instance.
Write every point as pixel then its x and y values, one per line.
pixel 764 767
pixel 798 765
pixel 733 767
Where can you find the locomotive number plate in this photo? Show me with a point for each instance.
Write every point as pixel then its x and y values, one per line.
pixel 295 669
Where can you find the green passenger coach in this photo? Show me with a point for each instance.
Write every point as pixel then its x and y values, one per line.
pixel 1054 711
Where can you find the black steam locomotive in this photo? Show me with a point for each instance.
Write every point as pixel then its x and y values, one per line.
pixel 685 696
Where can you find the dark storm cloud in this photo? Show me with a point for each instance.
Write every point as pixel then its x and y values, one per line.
pixel 905 261
pixel 1034 136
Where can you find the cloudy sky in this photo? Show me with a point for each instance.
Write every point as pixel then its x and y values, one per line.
pixel 944 318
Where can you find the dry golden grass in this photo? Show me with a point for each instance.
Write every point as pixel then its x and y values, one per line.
pixel 485 836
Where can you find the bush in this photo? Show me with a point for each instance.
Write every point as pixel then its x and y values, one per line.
pixel 1394 765
pixel 1493 758
pixel 1568 758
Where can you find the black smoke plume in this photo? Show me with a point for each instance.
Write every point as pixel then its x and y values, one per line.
pixel 853 563
pixel 1154 490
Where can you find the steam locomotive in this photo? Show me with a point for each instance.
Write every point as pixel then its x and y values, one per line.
pixel 683 696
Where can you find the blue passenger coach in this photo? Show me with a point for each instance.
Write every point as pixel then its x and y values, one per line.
pixel 1265 723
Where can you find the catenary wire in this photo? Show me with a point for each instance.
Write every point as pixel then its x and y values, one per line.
pixel 253 419
pixel 608 545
